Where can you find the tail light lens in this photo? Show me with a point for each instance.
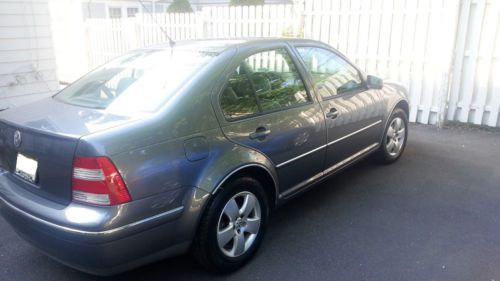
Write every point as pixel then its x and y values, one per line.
pixel 97 181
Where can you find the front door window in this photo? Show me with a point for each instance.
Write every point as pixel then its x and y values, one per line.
pixel 331 74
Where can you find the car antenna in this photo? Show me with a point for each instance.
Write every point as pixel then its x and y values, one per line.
pixel 170 41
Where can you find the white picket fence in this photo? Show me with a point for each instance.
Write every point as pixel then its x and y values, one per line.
pixel 108 38
pixel 475 87
pixel 407 41
pixel 446 52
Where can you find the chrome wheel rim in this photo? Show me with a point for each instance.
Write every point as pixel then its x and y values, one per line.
pixel 395 136
pixel 239 224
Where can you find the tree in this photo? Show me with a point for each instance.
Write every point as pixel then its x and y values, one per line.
pixel 246 2
pixel 180 6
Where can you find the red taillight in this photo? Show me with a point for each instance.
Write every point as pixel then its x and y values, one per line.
pixel 97 181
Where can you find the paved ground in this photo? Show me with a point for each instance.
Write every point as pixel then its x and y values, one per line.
pixel 434 215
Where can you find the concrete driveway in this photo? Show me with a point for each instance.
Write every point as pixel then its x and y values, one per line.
pixel 434 215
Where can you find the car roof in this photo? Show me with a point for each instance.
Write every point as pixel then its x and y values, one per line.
pixel 220 45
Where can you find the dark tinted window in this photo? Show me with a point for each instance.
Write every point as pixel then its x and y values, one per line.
pixel 263 82
pixel 331 74
pixel 238 99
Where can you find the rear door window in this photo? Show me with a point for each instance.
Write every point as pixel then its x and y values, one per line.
pixel 238 99
pixel 264 82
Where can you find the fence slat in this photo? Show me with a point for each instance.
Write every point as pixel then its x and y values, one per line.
pixel 459 54
pixel 431 71
pixel 471 60
pixel 371 65
pixel 363 35
pixel 486 49
pixel 494 101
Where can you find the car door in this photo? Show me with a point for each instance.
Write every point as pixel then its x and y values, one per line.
pixel 266 105
pixel 353 112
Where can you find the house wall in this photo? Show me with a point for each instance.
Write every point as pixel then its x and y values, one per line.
pixel 27 61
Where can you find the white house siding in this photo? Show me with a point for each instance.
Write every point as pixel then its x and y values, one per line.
pixel 27 61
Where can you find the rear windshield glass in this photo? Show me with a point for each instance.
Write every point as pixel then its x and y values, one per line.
pixel 137 82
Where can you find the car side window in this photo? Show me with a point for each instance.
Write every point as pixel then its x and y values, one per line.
pixel 238 99
pixel 264 82
pixel 331 74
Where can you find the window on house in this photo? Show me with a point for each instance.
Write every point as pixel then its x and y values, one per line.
pixel 115 13
pixel 132 12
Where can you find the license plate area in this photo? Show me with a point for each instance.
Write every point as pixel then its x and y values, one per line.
pixel 26 168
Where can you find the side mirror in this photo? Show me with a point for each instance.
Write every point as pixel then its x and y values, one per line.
pixel 374 82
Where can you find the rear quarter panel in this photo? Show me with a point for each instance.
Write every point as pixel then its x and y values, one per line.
pixel 164 167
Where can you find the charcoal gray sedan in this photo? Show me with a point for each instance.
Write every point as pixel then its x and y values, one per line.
pixel 187 148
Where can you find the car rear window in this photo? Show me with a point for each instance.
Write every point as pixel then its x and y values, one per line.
pixel 140 81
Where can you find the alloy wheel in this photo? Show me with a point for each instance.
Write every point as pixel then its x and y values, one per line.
pixel 395 136
pixel 239 224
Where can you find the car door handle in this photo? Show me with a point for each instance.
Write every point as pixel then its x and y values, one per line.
pixel 332 114
pixel 260 133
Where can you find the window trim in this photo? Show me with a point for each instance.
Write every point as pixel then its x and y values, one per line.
pixel 292 55
pixel 340 55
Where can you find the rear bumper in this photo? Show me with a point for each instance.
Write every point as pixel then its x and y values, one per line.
pixel 90 241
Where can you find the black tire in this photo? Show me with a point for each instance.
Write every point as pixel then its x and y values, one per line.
pixel 205 247
pixel 383 155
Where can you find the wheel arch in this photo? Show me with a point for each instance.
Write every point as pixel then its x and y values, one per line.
pixel 403 104
pixel 258 172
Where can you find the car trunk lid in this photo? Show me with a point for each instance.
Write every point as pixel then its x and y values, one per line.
pixel 44 137
pixel 51 153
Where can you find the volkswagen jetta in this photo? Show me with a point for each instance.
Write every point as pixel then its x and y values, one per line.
pixel 187 147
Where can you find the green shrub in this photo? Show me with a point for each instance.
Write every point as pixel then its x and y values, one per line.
pixel 180 6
